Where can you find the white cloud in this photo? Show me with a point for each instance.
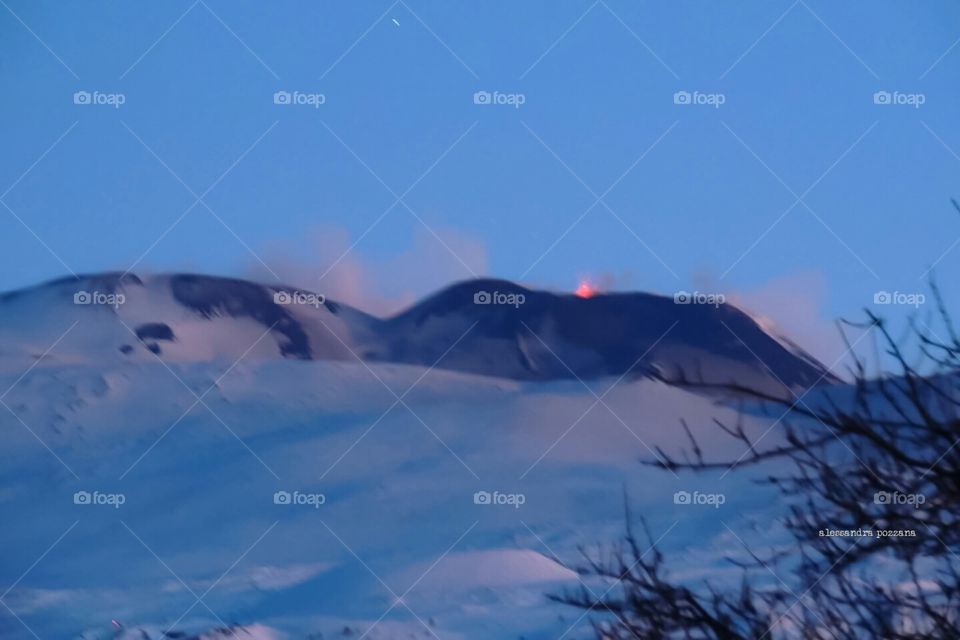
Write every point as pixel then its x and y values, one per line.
pixel 326 261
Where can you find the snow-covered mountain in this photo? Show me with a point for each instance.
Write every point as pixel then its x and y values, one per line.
pixel 207 452
pixel 488 327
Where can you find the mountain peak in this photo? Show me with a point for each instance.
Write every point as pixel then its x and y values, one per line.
pixel 484 326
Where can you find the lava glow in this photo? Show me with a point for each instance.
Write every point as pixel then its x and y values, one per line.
pixel 585 290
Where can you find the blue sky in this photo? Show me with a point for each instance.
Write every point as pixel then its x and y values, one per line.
pixel 701 197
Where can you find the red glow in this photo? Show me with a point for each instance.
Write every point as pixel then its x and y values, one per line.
pixel 585 290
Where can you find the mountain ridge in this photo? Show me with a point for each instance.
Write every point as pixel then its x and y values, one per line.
pixel 484 326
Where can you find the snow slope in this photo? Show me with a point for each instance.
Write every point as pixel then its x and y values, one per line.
pixel 398 546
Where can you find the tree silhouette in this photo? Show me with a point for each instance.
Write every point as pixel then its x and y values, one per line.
pixel 879 455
